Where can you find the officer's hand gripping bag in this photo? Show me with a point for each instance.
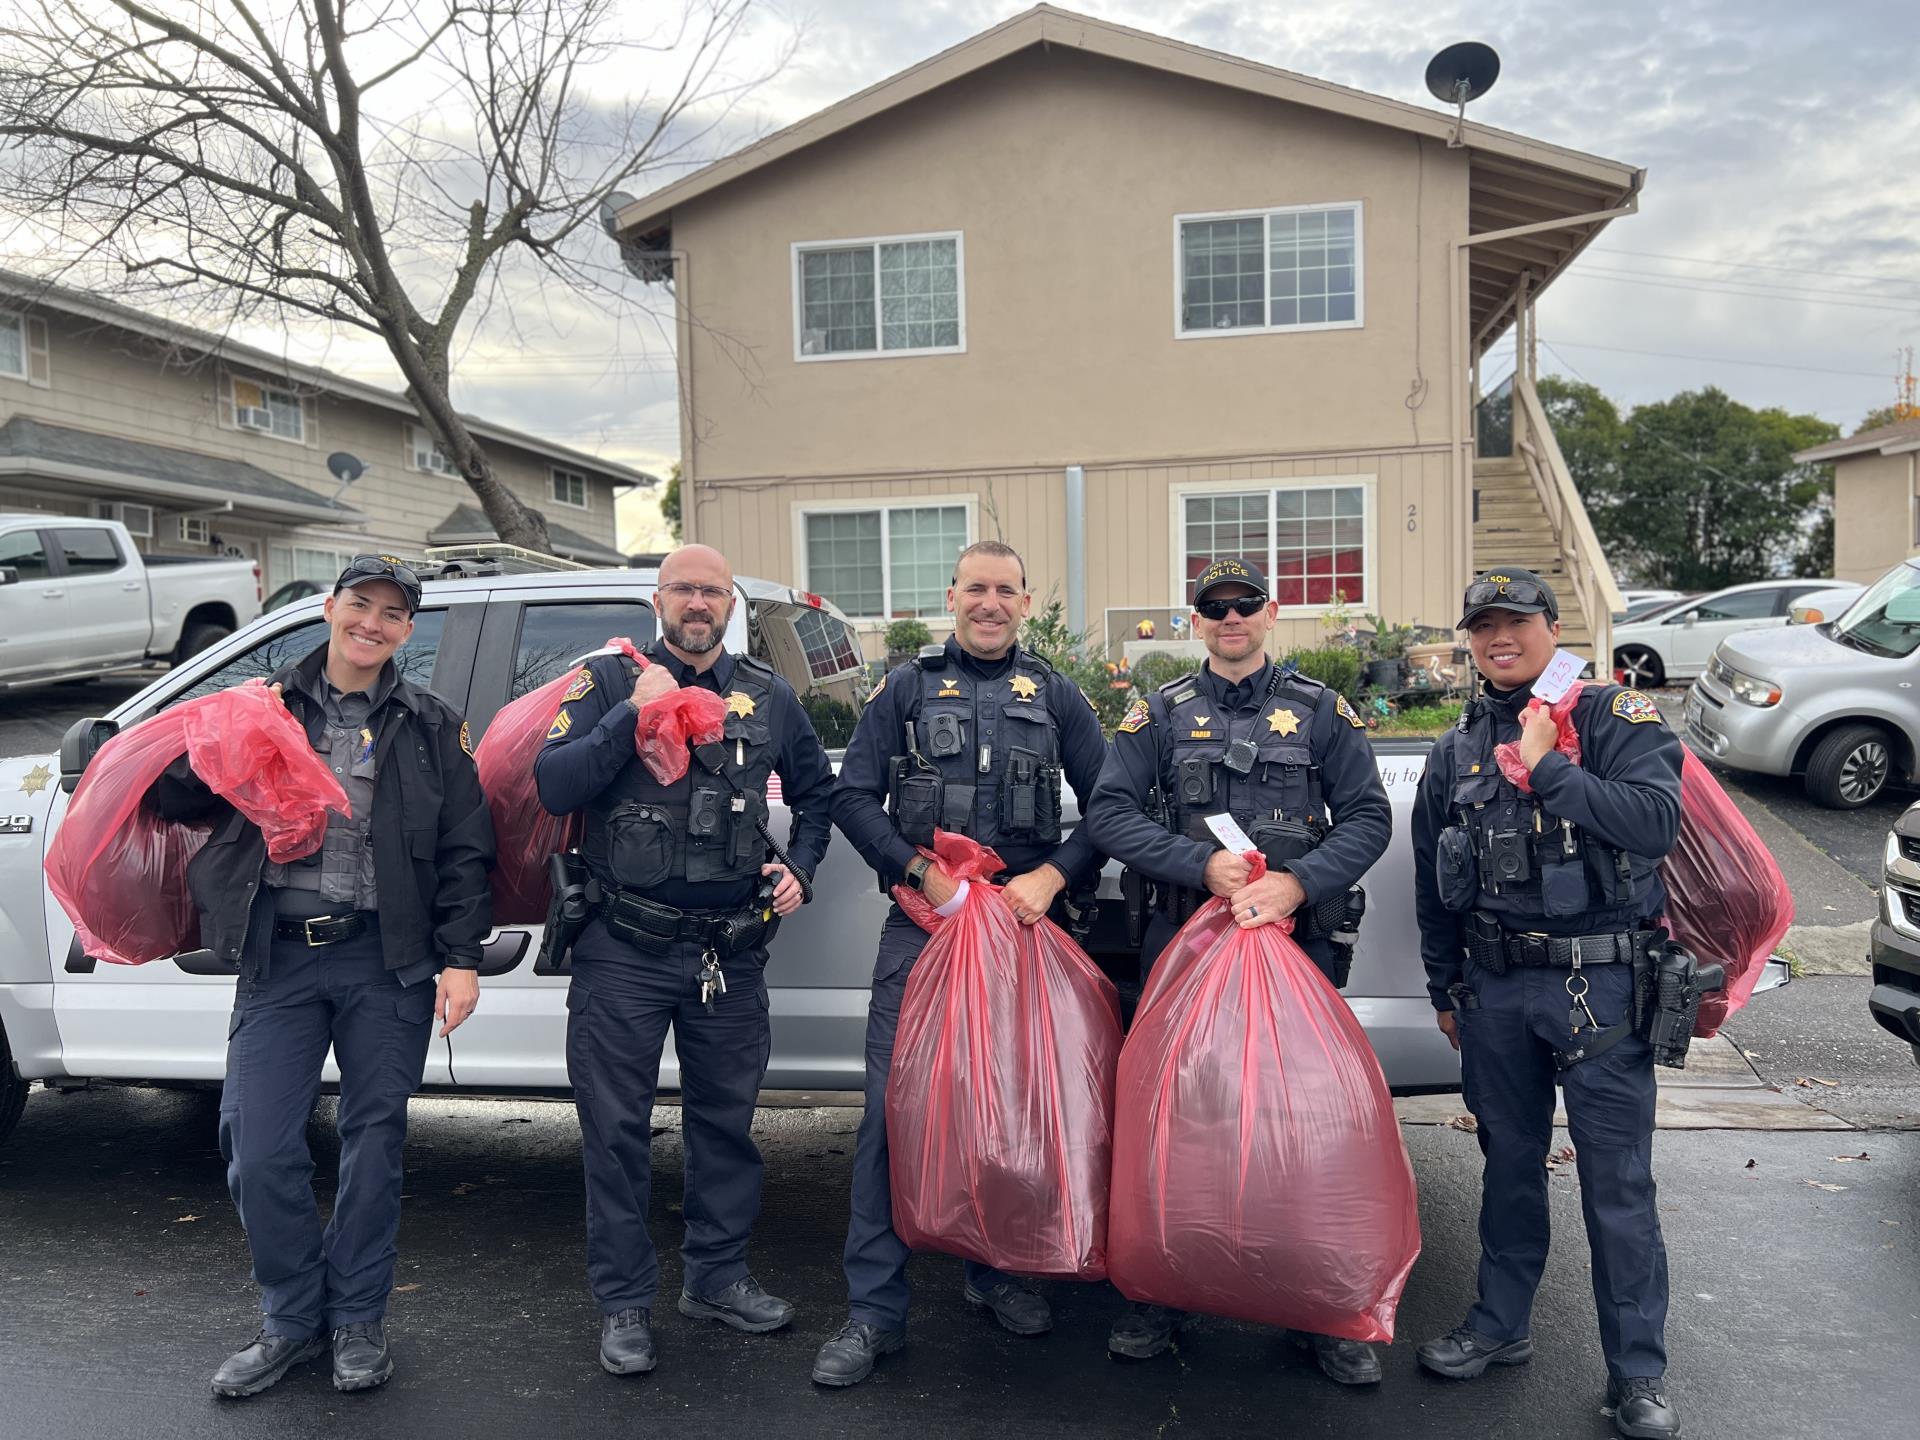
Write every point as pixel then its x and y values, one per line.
pixel 524 832
pixel 1258 1169
pixel 1507 755
pixel 120 871
pixel 1000 1103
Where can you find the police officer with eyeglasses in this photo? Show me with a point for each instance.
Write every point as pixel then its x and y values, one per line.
pixel 1536 914
pixel 1289 760
pixel 687 887
pixel 340 951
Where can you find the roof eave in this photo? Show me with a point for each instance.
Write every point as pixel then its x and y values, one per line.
pixel 34 466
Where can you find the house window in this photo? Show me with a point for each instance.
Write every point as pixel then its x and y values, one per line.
pixel 879 297
pixel 895 561
pixel 300 562
pixel 13 346
pixel 1293 269
pixel 569 488
pixel 424 453
pixel 261 407
pixel 195 530
pixel 1311 540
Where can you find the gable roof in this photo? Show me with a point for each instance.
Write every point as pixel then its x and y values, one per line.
pixel 468 525
pixel 1516 181
pixel 1896 439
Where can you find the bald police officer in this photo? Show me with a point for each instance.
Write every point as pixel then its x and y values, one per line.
pixel 1533 909
pixel 1289 760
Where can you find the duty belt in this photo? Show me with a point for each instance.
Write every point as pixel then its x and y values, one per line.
pixel 1498 949
pixel 326 929
pixel 639 921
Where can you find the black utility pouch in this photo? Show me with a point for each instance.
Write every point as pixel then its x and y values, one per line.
pixel 1283 840
pixel 916 804
pixel 1563 888
pixel 640 846
pixel 1023 781
pixel 1456 871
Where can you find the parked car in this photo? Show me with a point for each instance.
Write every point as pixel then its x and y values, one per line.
pixel 1833 702
pixel 1643 601
pixel 1819 606
pixel 291 591
pixel 1676 643
pixel 1894 1000
pixel 1647 609
pixel 78 600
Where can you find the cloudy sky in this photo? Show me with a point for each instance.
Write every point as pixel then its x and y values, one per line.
pixel 1775 254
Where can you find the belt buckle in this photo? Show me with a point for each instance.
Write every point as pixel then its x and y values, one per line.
pixel 307 927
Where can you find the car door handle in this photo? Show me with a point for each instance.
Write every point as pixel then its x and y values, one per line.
pixel 53 594
pixel 131 586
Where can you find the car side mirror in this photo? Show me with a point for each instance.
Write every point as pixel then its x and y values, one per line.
pixel 79 745
pixel 9 575
pixel 1691 619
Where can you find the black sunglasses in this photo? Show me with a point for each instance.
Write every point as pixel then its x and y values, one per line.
pixel 388 569
pixel 1520 592
pixel 1247 605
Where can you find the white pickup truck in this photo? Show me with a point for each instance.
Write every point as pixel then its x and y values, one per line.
pixel 78 600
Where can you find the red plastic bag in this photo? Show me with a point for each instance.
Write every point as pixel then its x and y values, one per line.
pixel 1000 1102
pixel 1258 1169
pixel 1726 898
pixel 1507 755
pixel 524 832
pixel 120 872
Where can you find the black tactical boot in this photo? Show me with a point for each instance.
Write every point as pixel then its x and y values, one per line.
pixel 1015 1304
pixel 848 1357
pixel 265 1359
pixel 743 1305
pixel 626 1342
pixel 1144 1331
pixel 1464 1354
pixel 1641 1410
pixel 361 1359
pixel 1350 1362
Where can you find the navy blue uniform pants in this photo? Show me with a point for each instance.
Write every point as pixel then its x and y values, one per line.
pixel 1507 1042
pixel 619 1006
pixel 875 1257
pixel 283 1022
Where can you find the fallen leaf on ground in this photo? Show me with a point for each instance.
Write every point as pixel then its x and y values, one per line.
pixel 1823 1185
pixel 1849 1159
pixel 403 1289
pixel 1751 1054
pixel 1807 1082
pixel 1563 1156
pixel 1463 1122
pixel 1751 1164
pixel 186 1219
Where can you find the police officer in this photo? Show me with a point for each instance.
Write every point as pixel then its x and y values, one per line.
pixel 685 898
pixel 970 738
pixel 1278 752
pixel 1532 909
pixel 340 950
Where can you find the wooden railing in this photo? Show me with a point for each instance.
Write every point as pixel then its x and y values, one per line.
pixel 1587 570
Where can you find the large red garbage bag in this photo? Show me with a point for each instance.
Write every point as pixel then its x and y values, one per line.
pixel 524 833
pixel 1000 1102
pixel 1726 898
pixel 120 872
pixel 1507 755
pixel 1258 1169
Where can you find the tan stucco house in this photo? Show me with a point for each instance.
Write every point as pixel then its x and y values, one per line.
pixel 205 446
pixel 1876 498
pixel 1126 304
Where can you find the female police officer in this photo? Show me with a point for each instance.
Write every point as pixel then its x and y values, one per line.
pixel 1532 909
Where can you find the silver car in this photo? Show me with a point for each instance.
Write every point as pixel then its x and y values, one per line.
pixel 1834 702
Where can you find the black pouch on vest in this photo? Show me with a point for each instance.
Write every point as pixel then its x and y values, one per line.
pixel 1455 870
pixel 1563 888
pixel 1283 840
pixel 956 808
pixel 640 844
pixel 916 801
pixel 1023 783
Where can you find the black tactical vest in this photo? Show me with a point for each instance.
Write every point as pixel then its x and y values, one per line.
pixel 1256 765
pixel 702 828
pixel 982 756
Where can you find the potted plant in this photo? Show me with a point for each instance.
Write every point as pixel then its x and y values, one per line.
pixel 1386 669
pixel 904 641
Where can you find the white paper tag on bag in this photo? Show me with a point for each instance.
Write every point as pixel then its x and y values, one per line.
pixel 1558 677
pixel 1228 832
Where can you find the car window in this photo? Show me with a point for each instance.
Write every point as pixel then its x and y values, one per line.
pixel 553 636
pixel 26 552
pixel 1742 605
pixel 1794 592
pixel 414 659
pixel 89 552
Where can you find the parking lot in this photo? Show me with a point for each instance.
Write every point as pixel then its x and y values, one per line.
pixel 123 1274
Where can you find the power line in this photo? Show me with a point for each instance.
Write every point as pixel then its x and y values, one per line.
pixel 1626 278
pixel 1752 265
pixel 1708 360
pixel 1735 285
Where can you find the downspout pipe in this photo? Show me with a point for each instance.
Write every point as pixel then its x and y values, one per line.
pixel 1077 549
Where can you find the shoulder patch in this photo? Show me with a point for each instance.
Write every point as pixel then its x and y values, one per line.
pixel 1347 713
pixel 1138 717
pixel 466 738
pixel 562 723
pixel 874 694
pixel 582 685
pixel 1636 708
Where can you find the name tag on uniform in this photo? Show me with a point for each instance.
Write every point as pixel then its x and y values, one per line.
pixel 1228 832
pixel 1558 677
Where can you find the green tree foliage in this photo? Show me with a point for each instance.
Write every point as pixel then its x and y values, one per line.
pixel 1591 434
pixel 1335 666
pixel 670 501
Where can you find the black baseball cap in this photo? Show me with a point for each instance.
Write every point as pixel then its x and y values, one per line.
pixel 1229 572
pixel 1520 591
pixel 390 568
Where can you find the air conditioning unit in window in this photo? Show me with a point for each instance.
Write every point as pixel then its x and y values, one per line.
pixel 195 530
pixel 253 417
pixel 137 518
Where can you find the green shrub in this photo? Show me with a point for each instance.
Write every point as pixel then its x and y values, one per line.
pixel 907 636
pixel 1422 720
pixel 1154 670
pixel 1337 668
pixel 833 720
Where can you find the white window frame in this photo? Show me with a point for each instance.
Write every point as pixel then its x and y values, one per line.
pixel 1368 484
pixel 266 389
pixel 1358 207
pixel 554 472
pixel 885 505
pixel 193 529
pixel 802 247
pixel 420 441
pixel 17 323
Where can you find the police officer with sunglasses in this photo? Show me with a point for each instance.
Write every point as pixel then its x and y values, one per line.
pixel 340 950
pixel 1535 910
pixel 1288 759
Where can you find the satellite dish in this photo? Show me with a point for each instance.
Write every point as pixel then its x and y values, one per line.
pixel 1461 73
pixel 346 468
pixel 610 207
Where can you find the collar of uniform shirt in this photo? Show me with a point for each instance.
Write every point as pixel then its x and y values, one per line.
pixel 1239 694
pixel 324 693
pixel 976 667
pixel 1510 702
pixel 716 677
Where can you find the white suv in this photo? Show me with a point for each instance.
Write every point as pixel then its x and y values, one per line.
pixel 1676 643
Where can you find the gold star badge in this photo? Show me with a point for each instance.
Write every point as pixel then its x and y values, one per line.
pixel 740 703
pixel 1283 721
pixel 1023 686
pixel 36 780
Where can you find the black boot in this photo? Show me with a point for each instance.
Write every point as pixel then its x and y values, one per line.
pixel 1464 1354
pixel 626 1342
pixel 1015 1304
pixel 1144 1331
pixel 1350 1362
pixel 361 1359
pixel 848 1357
pixel 1641 1410
pixel 743 1305
pixel 265 1359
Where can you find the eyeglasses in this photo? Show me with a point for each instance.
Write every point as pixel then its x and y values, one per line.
pixel 363 565
pixel 681 590
pixel 1520 592
pixel 1247 605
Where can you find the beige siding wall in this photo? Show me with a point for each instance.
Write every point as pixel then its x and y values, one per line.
pixel 1873 515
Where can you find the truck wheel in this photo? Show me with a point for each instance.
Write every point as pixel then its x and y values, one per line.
pixel 1849 767
pixel 13 1092
pixel 1639 667
pixel 198 637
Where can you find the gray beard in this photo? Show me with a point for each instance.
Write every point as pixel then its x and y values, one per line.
pixel 677 637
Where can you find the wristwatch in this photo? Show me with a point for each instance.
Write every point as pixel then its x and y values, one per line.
pixel 917 871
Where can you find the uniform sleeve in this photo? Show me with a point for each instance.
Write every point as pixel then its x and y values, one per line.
pixel 1117 819
pixel 859 795
pixel 1441 950
pixel 463 902
pixel 590 742
pixel 1356 799
pixel 1084 752
pixel 1626 790
pixel 806 779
